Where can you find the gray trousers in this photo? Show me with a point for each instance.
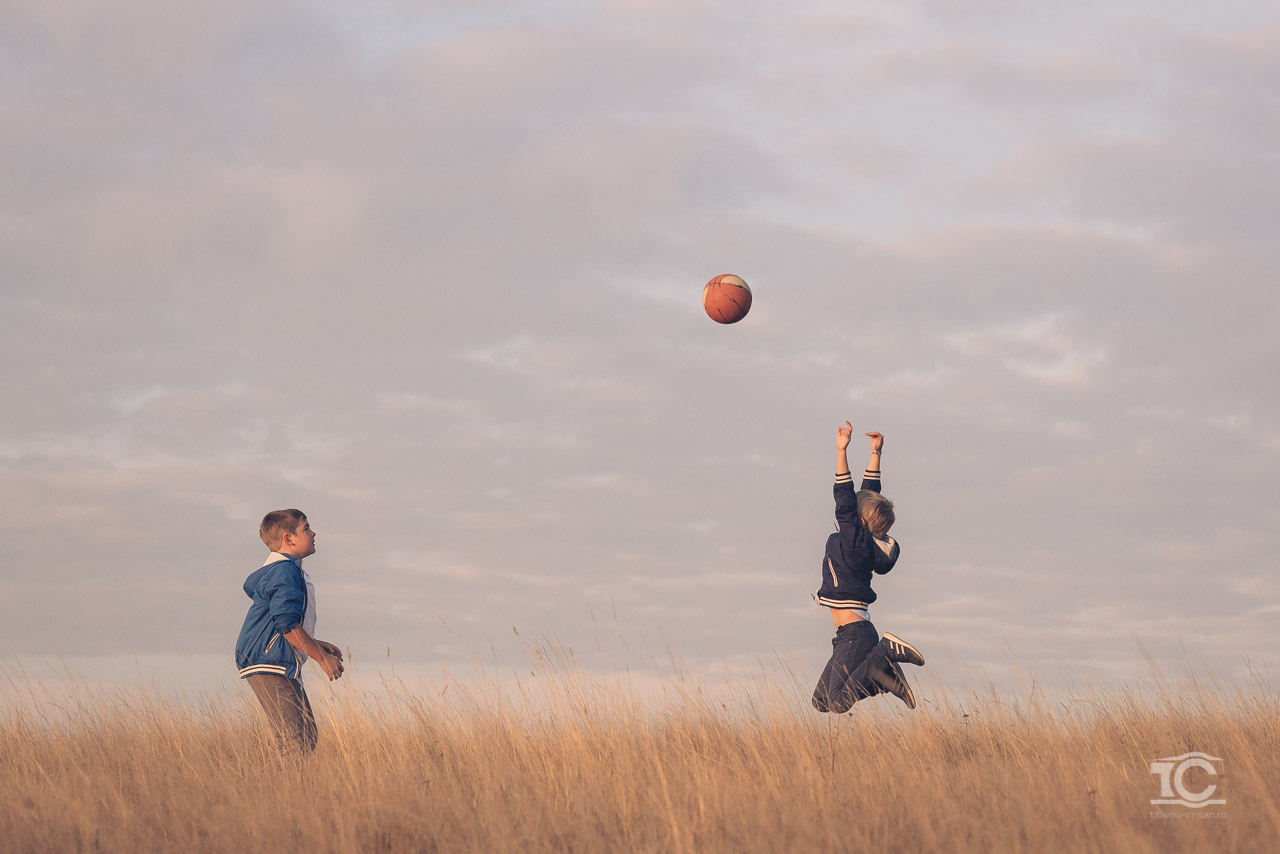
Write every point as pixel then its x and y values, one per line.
pixel 288 711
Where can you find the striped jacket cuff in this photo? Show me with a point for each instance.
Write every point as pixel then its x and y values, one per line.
pixel 847 477
pixel 870 475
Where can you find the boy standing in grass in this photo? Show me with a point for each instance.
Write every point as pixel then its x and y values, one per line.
pixel 861 664
pixel 278 632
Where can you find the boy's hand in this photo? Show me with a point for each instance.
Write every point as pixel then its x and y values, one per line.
pixel 325 654
pixel 330 648
pixel 877 441
pixel 843 434
pixel 331 666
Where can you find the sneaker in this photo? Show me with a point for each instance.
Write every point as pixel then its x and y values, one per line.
pixel 893 682
pixel 896 649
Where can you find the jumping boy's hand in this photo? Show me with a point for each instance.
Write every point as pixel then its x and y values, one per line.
pixel 843 435
pixel 877 441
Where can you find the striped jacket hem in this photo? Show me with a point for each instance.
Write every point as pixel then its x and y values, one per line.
pixel 842 604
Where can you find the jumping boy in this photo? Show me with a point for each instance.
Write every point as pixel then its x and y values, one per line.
pixel 861 664
pixel 278 632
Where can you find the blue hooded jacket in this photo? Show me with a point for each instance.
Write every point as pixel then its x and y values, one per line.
pixel 279 597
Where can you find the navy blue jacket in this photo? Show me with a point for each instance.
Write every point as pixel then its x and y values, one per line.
pixel 279 597
pixel 853 553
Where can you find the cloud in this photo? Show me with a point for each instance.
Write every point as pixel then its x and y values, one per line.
pixel 1038 348
pixel 992 75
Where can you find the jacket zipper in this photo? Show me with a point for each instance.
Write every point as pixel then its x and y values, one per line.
pixel 271 643
pixel 835 582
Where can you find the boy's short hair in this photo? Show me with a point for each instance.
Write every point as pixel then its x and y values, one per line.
pixel 876 512
pixel 277 523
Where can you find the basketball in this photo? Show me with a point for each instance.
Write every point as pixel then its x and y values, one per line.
pixel 726 299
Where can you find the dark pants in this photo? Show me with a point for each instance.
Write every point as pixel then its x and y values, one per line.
pixel 287 709
pixel 847 677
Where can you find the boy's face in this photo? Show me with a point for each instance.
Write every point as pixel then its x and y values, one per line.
pixel 301 543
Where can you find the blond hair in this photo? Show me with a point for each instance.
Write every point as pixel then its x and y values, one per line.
pixel 876 512
pixel 277 523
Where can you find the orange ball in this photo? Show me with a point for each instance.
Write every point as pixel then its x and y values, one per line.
pixel 726 298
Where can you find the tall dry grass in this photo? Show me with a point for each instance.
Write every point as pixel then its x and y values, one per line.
pixel 565 762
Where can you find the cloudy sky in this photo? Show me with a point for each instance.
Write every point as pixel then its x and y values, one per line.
pixel 431 272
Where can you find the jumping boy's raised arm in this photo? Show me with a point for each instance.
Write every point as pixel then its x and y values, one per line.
pixel 843 434
pixel 871 477
pixel 846 496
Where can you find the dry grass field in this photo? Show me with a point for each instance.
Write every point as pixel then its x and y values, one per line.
pixel 591 766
